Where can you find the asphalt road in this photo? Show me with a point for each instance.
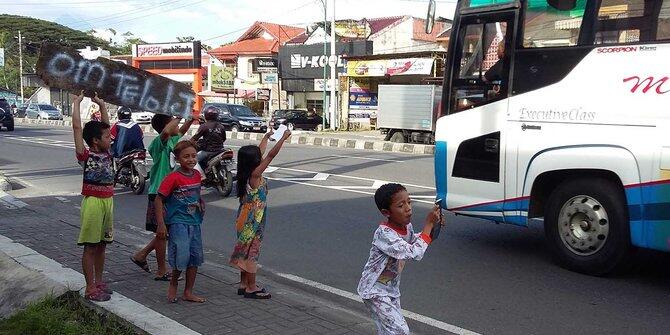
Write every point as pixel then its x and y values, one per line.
pixel 487 278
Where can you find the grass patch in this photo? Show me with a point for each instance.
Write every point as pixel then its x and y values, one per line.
pixel 65 315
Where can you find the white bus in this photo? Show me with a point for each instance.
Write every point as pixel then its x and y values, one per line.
pixel 560 111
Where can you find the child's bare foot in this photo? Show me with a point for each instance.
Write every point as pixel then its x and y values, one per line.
pixel 172 294
pixel 193 298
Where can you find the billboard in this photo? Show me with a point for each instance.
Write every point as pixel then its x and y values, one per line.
pixel 223 77
pixel 392 67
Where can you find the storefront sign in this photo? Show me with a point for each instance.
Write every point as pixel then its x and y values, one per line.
pixel 299 62
pixel 263 94
pixel 352 29
pixel 264 65
pixel 362 100
pixel 392 67
pixel 223 78
pixel 167 49
pixel 359 85
pixel 114 82
pixel 269 78
pixel 319 83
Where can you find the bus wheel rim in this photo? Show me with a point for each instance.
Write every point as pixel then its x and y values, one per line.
pixel 583 225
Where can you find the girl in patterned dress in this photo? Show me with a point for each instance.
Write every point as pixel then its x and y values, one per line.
pixel 252 191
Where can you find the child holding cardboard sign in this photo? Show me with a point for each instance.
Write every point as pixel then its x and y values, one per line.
pixel 98 189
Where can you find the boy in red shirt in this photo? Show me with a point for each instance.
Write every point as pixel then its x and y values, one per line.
pixel 98 189
pixel 179 194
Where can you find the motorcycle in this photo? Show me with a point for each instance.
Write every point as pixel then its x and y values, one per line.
pixel 131 170
pixel 218 172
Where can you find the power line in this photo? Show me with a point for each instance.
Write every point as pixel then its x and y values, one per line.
pixel 311 2
pixel 113 16
pixel 64 3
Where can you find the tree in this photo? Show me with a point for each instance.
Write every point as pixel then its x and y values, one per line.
pixel 34 32
pixel 185 39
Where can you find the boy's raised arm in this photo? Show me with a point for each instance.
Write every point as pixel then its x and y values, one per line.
pixel 76 124
pixel 170 129
pixel 185 127
pixel 104 115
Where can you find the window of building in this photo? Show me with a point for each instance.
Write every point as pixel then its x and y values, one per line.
pixel 546 26
pixel 317 104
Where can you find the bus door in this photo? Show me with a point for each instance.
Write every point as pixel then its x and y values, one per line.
pixel 476 131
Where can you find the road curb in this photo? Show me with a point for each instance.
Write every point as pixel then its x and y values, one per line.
pixel 300 139
pixel 4 183
pixel 134 314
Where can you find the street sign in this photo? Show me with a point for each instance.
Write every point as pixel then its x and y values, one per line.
pixel 263 94
pixel 269 78
pixel 2 56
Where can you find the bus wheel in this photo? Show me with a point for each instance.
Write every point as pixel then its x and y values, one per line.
pixel 586 225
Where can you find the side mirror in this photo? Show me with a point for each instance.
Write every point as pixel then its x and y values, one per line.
pixel 430 17
pixel 562 4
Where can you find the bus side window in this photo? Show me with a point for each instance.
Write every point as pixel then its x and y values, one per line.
pixel 545 26
pixel 630 21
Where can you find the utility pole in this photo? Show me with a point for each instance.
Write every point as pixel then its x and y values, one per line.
pixel 21 65
pixel 333 69
pixel 325 65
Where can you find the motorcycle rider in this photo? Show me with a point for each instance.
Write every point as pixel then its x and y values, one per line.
pixel 213 135
pixel 126 134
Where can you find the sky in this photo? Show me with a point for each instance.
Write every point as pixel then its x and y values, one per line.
pixel 214 22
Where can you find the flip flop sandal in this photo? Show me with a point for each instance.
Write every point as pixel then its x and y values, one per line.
pixel 103 287
pixel 260 294
pixel 173 300
pixel 98 296
pixel 167 277
pixel 143 265
pixel 241 291
pixel 202 300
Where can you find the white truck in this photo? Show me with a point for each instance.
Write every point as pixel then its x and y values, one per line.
pixel 407 113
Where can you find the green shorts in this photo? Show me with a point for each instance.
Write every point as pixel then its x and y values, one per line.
pixel 96 221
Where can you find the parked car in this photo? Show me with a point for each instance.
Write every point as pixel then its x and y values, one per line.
pixel 295 119
pixel 141 116
pixel 237 117
pixel 43 112
pixel 6 116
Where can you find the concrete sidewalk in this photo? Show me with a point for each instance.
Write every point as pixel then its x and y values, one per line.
pixel 348 140
pixel 50 227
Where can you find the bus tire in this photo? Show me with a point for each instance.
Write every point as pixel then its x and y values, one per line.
pixel 398 137
pixel 586 225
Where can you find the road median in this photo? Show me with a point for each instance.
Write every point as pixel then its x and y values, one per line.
pixel 298 138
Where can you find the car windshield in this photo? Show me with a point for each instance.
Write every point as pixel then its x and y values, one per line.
pixel 239 110
pixel 48 108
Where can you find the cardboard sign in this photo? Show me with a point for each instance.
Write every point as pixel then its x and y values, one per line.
pixel 279 133
pixel 115 82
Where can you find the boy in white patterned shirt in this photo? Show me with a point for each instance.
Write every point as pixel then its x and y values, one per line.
pixel 393 243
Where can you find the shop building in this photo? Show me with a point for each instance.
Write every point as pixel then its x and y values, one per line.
pixel 180 62
pixel 302 71
pixel 249 66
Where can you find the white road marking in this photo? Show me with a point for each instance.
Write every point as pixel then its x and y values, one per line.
pixel 62 199
pixel 355 178
pixel 10 202
pixel 368 158
pixel 410 315
pixel 141 316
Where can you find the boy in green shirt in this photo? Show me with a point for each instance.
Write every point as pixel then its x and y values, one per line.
pixel 159 149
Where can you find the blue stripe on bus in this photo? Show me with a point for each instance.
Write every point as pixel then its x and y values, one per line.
pixel 441 172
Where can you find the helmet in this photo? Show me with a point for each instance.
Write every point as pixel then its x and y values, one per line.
pixel 124 113
pixel 211 113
